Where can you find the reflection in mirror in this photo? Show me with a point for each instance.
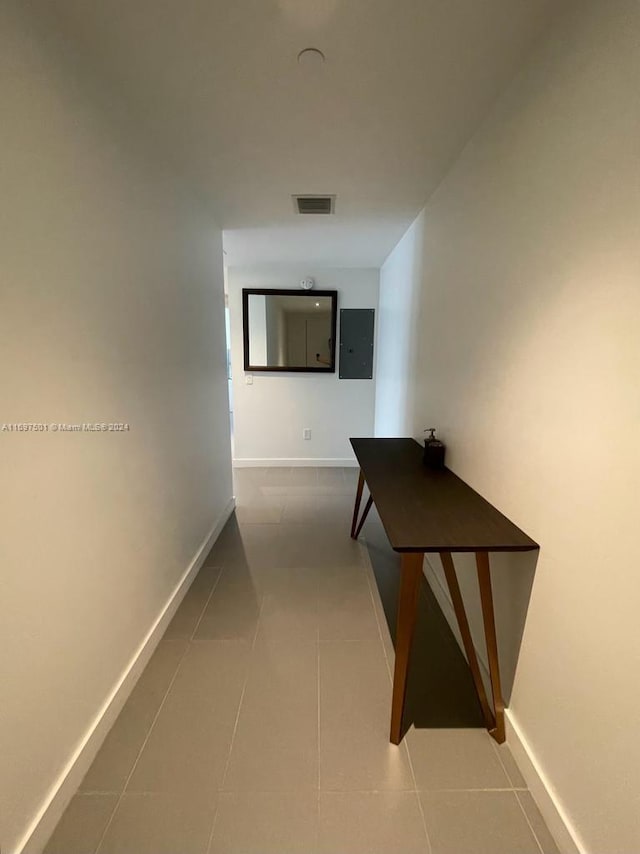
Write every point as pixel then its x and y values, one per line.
pixel 289 331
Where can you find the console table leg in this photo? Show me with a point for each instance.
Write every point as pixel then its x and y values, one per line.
pixel 411 575
pixel 367 507
pixel 356 508
pixel 488 617
pixel 463 625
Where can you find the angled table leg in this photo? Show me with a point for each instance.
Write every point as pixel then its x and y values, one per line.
pixel 463 625
pixel 356 508
pixel 365 513
pixel 407 608
pixel 488 617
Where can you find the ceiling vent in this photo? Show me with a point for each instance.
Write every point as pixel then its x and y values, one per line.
pixel 314 204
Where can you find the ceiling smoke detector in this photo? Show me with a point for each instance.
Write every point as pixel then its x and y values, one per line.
pixel 314 204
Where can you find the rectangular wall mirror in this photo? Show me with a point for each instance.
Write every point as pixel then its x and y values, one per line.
pixel 287 330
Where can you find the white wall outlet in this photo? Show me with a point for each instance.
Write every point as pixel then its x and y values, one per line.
pixel 248 378
pixel 306 433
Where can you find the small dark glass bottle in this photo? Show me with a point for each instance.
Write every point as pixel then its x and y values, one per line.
pixel 434 450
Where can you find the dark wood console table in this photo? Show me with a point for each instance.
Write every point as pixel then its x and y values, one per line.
pixel 422 511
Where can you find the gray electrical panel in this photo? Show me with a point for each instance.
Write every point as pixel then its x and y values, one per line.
pixel 356 343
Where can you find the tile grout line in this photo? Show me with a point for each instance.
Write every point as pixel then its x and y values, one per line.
pixel 318 682
pixel 97 793
pixel 389 672
pixel 468 789
pixel 317 828
pixel 206 604
pixel 217 807
pixel 328 641
pixel 142 747
pixel 419 799
pixel 244 688
pixel 213 824
pixel 93 792
pixel 233 735
pixel 496 752
pixel 369 572
pixel 524 812
pixel 317 831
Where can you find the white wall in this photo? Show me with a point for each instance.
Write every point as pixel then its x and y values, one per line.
pixel 397 338
pixel 270 415
pixel 529 361
pixel 112 310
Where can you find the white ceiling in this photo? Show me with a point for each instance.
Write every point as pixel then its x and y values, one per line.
pixel 404 86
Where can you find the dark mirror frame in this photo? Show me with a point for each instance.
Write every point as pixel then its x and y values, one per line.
pixel 288 292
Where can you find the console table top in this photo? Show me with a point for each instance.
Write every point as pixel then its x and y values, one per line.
pixel 430 510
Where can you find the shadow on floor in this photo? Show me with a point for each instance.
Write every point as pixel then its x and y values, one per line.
pixel 440 692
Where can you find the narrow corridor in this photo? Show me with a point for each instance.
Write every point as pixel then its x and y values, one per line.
pixel 260 726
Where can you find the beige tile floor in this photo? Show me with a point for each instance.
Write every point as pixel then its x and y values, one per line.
pixel 260 726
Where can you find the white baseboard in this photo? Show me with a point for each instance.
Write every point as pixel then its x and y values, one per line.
pixel 69 780
pixel 543 794
pixel 566 836
pixel 325 462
